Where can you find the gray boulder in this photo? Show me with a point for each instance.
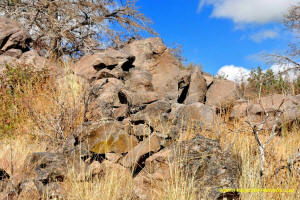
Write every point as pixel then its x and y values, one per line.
pixel 200 159
pixel 46 167
pixel 222 94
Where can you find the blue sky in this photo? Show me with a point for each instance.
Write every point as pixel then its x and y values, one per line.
pixel 216 34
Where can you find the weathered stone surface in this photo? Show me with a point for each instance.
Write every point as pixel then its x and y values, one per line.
pixel 143 51
pixel 54 191
pixel 201 159
pixel 222 93
pixel 141 130
pixel 149 145
pixel 45 167
pixel 16 53
pixel 256 112
pixel 32 58
pixel 6 60
pixel 110 137
pixel 115 62
pixel 197 87
pixel 7 190
pixel 208 78
pixel 197 115
pixel 184 80
pixel 139 80
pixel 152 55
pixel 156 116
pixel 29 191
pixel 239 110
pixel 12 35
pixel 121 112
pixel 153 112
pixel 211 169
pixel 164 76
pixel 104 99
pixel 155 173
pixel 98 170
pixel 138 98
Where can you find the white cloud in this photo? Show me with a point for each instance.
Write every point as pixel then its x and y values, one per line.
pixel 291 74
pixel 234 73
pixel 249 11
pixel 239 74
pixel 263 35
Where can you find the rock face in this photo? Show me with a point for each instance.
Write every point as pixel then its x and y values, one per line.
pixel 199 158
pixel 15 46
pixel 222 93
pixel 138 84
pixel 46 167
pixel 13 38
pixel 110 137
pixel 192 86
pixel 257 111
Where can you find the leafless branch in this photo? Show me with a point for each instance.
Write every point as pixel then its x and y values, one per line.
pixel 71 27
pixel 256 128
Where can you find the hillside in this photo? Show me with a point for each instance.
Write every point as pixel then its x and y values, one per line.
pixel 130 123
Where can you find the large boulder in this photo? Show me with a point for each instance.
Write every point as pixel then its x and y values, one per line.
pixel 13 36
pixel 199 159
pixel 152 55
pixel 154 115
pixel 15 47
pixel 239 109
pixel 195 115
pixel 105 64
pixel 192 86
pixel 135 156
pixel 45 167
pixel 222 93
pixel 197 88
pixel 103 98
pixel 109 136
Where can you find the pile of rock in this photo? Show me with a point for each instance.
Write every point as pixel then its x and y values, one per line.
pixel 16 45
pixel 200 160
pixel 287 106
pixel 138 106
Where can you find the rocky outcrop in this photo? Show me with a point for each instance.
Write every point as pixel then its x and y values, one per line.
pixel 192 86
pixel 14 39
pixel 199 159
pixel 257 110
pixel 16 46
pixel 139 86
pixel 222 93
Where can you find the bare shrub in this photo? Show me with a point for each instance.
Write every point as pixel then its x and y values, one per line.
pixel 72 27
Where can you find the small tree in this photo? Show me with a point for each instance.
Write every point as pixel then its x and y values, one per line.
pixel 267 82
pixel 76 27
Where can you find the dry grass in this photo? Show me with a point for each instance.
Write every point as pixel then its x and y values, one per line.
pixel 13 153
pixel 49 110
pixel 278 152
